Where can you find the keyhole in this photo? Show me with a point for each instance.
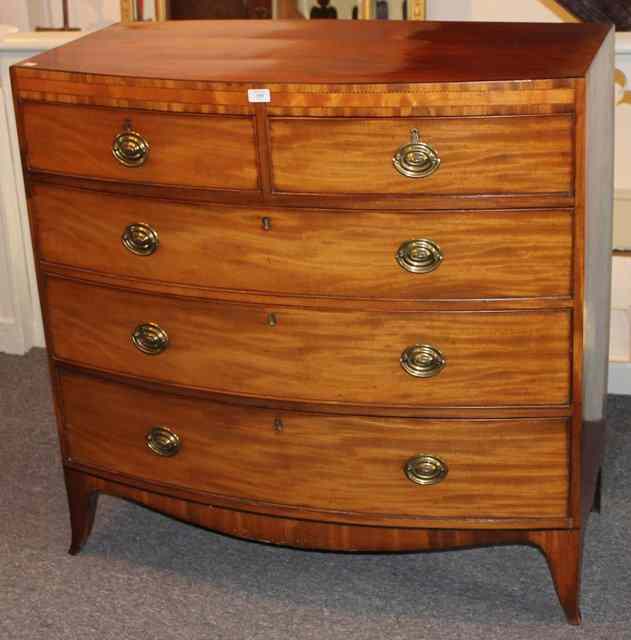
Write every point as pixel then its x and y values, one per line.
pixel 278 425
pixel 272 320
pixel 266 223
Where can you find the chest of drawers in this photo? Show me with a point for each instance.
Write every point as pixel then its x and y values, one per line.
pixel 368 313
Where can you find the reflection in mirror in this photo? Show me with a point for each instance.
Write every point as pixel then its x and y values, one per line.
pixel 138 10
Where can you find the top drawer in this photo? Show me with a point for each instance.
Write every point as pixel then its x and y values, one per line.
pixel 459 156
pixel 217 152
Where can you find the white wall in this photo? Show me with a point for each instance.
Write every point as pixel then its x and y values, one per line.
pixel 15 12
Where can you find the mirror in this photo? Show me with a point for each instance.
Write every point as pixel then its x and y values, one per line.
pixel 135 10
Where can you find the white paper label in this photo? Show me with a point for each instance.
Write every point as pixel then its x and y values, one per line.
pixel 259 95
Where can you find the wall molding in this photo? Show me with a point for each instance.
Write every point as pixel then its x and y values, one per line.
pixel 622 220
pixel 620 378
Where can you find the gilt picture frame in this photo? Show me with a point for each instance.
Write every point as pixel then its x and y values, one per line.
pixel 129 10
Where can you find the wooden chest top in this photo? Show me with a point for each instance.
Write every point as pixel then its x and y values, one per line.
pixel 294 51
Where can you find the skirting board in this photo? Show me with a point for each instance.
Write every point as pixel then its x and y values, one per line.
pixel 622 220
pixel 11 337
pixel 620 378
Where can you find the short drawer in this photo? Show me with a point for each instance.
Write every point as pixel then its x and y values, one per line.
pixel 445 255
pixel 217 152
pixel 393 359
pixel 461 156
pixel 479 468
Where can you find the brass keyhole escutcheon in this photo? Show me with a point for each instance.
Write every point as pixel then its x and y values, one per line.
pixel 130 148
pixel 266 223
pixel 140 239
pixel 422 361
pixel 425 469
pixel 416 159
pixel 278 425
pixel 272 320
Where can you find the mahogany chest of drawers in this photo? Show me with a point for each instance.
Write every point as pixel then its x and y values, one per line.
pixel 337 288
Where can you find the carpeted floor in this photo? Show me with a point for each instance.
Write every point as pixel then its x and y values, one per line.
pixel 143 575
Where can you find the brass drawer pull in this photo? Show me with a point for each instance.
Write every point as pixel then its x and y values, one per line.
pixel 140 238
pixel 130 148
pixel 163 442
pixel 425 469
pixel 422 361
pixel 150 338
pixel 419 256
pixel 416 159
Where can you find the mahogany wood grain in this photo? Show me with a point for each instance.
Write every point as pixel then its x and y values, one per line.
pixel 447 99
pixel 291 51
pixel 494 155
pixel 561 548
pixel 373 410
pixel 363 202
pixel 494 358
pixel 331 463
pixel 309 252
pixel 197 151
pixel 294 300
pixel 82 504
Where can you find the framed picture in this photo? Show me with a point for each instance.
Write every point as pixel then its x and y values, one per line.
pixel 134 10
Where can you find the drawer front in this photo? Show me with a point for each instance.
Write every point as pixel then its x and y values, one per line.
pixel 493 468
pixel 198 151
pixel 355 255
pixel 492 155
pixel 491 358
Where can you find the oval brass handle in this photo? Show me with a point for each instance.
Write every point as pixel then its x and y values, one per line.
pixel 422 361
pixel 416 159
pixel 130 148
pixel 150 338
pixel 140 238
pixel 419 256
pixel 163 442
pixel 425 469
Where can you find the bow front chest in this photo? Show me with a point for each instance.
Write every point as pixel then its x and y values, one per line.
pixel 336 287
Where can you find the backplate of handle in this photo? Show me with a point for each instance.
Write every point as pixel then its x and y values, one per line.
pixel 150 338
pixel 421 255
pixel 140 239
pixel 130 148
pixel 416 159
pixel 163 441
pixel 425 469
pixel 422 361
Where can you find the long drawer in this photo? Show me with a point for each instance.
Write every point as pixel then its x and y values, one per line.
pixel 393 359
pixel 447 255
pixel 181 150
pixel 458 156
pixel 480 468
